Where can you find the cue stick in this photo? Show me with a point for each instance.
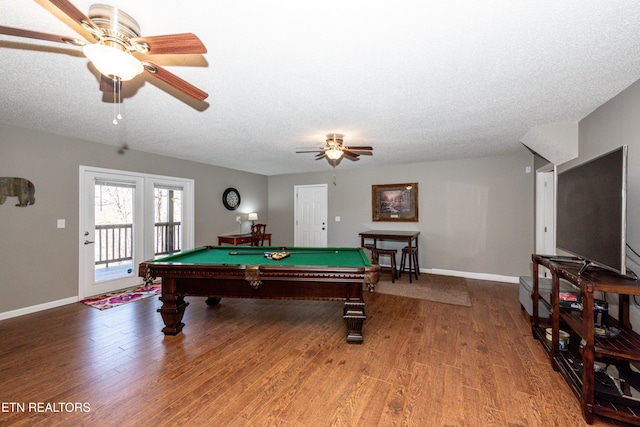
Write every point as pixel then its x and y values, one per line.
pixel 268 252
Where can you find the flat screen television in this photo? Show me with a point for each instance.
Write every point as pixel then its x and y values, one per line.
pixel 591 212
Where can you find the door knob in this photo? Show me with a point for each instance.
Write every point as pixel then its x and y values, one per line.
pixel 86 242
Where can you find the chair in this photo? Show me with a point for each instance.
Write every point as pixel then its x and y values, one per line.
pixel 391 253
pixel 257 234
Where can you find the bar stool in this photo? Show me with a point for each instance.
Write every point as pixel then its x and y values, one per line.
pixel 391 253
pixel 371 246
pixel 403 261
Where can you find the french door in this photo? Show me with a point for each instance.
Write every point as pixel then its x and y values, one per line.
pixel 126 218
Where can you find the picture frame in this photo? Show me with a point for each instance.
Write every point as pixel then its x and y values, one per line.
pixel 395 202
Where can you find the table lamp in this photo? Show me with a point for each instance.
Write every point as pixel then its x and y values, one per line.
pixel 253 217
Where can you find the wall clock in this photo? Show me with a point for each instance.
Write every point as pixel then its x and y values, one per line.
pixel 231 199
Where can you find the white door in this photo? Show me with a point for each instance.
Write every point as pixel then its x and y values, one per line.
pixel 111 232
pixel 545 214
pixel 310 215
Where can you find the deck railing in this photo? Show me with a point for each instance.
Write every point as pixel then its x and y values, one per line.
pixel 168 237
pixel 114 241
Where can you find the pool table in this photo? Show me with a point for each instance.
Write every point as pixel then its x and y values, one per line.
pixel 336 274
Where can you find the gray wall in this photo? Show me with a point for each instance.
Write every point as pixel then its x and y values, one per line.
pixel 614 124
pixel 39 261
pixel 475 215
pixel 610 126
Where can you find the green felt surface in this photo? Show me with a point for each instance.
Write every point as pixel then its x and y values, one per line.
pixel 252 255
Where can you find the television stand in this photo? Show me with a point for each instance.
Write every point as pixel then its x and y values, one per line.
pixel 586 264
pixel 562 258
pixel 584 346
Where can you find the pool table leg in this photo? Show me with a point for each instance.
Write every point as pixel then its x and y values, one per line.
pixel 354 318
pixel 172 309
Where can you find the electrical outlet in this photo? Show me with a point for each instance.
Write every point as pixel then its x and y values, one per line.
pixel 238 219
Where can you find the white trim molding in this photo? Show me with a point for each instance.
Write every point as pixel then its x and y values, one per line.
pixel 36 308
pixel 471 275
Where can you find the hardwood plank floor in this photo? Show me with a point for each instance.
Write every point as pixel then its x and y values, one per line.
pixel 284 363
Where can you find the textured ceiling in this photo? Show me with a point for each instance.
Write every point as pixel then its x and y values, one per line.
pixel 418 80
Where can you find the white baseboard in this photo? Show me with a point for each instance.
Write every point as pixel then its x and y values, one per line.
pixel 467 274
pixel 36 308
pixel 471 275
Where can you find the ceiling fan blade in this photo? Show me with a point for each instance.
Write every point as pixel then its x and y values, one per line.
pixel 171 44
pixel 74 13
pixel 19 32
pixel 321 156
pixel 309 150
pixel 109 85
pixel 359 147
pixel 174 81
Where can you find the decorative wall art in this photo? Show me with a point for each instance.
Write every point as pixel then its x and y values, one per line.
pixel 395 202
pixel 21 188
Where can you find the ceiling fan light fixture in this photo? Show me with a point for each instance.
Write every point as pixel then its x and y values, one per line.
pixel 113 62
pixel 334 142
pixel 334 153
pixel 334 150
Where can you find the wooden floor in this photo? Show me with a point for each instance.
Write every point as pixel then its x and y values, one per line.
pixel 285 363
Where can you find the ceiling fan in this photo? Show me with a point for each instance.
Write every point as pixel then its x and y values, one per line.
pixel 117 37
pixel 334 149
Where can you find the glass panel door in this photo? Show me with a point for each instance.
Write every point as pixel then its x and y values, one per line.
pixel 111 225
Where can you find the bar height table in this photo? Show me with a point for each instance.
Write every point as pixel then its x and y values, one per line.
pixel 410 237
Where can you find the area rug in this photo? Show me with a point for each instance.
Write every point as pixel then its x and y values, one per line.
pixel 432 287
pixel 124 296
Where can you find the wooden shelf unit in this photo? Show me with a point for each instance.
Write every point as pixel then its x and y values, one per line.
pixel 583 342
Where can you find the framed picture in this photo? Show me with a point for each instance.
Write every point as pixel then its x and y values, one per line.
pixel 395 202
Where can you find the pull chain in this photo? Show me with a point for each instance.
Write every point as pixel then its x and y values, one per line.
pixel 117 100
pixel 334 171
